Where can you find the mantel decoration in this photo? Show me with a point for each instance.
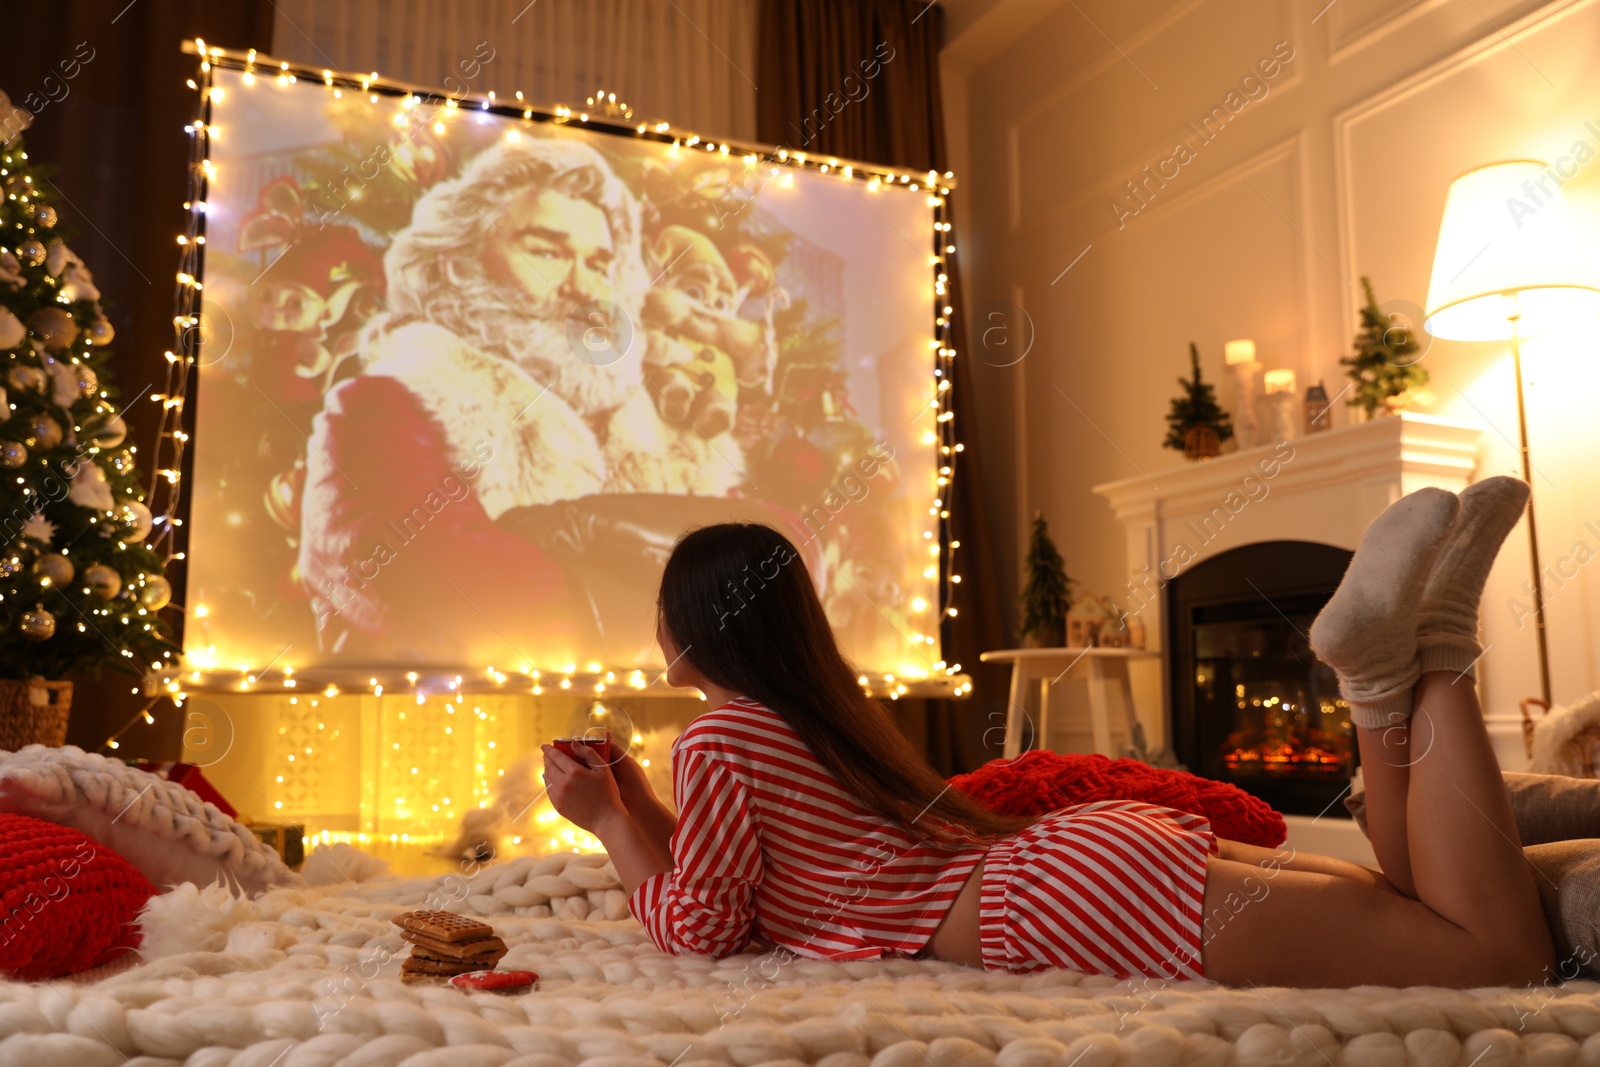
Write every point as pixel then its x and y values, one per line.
pixel 1197 425
pixel 1385 365
pixel 1045 592
pixel 79 588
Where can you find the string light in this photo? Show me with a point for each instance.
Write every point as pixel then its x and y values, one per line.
pixel 602 112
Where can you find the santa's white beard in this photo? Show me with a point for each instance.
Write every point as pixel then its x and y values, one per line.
pixel 536 338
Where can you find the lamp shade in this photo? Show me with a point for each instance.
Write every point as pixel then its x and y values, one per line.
pixel 1508 249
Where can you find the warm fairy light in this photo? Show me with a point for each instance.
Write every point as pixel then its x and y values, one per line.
pixel 772 162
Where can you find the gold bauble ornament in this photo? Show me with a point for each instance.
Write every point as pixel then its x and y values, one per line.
pixel 156 593
pixel 104 583
pixel 38 624
pixel 141 521
pixel 43 432
pixel 54 566
pixel 100 332
pixel 31 251
pixel 13 454
pixel 88 381
pixel 54 328
pixel 45 216
pixel 26 378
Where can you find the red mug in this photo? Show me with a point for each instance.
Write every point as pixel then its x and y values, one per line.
pixel 598 744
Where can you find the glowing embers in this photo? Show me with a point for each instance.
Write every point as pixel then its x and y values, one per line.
pixel 1278 736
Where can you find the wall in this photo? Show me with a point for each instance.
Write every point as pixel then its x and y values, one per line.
pixel 1334 168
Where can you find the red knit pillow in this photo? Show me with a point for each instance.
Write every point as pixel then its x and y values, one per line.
pixel 67 903
pixel 1037 782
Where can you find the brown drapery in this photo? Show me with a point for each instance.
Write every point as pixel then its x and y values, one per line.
pixel 113 133
pixel 815 95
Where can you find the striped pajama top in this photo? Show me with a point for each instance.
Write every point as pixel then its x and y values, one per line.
pixel 769 845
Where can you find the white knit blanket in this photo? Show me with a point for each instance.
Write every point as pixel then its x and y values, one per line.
pixel 308 977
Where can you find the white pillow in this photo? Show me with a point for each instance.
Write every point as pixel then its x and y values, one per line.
pixel 160 827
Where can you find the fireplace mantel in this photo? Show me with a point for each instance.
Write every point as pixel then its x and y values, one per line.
pixel 1324 487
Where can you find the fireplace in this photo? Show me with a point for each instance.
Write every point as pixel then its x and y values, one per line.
pixel 1250 702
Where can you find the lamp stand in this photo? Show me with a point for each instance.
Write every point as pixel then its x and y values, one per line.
pixel 1533 530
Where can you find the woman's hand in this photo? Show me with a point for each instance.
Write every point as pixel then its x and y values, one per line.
pixel 585 793
pixel 632 782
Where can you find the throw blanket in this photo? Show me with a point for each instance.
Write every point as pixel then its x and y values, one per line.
pixel 308 977
pixel 1037 782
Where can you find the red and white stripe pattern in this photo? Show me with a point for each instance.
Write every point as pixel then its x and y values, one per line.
pixel 1115 887
pixel 769 844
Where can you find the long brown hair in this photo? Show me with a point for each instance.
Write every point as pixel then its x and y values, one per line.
pixel 738 602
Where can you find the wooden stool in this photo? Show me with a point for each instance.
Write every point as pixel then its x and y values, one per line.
pixel 1046 666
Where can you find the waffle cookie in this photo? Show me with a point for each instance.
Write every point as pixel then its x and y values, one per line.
pixel 484 951
pixel 443 926
pixel 445 968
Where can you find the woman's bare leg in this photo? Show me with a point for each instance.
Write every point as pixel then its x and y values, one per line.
pixel 1476 920
pixel 1313 929
pixel 1466 858
pixel 1386 776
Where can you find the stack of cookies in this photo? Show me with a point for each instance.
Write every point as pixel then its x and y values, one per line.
pixel 444 944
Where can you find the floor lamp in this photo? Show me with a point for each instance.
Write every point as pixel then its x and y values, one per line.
pixel 1511 264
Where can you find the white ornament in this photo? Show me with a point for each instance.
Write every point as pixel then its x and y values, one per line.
pixel 11 330
pixel 11 271
pixel 111 433
pixel 39 529
pixel 90 488
pixel 139 515
pixel 63 382
pixel 13 120
pixel 57 256
pixel 76 281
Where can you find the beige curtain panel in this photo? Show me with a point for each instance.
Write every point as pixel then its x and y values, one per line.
pixel 689 62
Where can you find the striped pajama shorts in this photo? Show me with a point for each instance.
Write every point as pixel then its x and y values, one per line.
pixel 1114 887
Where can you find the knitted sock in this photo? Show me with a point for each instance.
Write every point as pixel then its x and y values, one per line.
pixel 1368 631
pixel 1447 623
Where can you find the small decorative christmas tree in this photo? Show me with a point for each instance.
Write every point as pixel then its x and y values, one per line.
pixel 79 589
pixel 1197 425
pixel 1045 592
pixel 1385 366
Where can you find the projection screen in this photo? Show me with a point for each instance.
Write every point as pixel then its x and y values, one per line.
pixel 466 377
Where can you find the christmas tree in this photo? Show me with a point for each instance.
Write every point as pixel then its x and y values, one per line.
pixel 79 590
pixel 1384 366
pixel 1197 409
pixel 1043 601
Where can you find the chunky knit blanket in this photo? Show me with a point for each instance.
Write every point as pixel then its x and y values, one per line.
pixel 308 977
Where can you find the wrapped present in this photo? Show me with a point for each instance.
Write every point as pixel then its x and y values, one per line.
pixel 287 839
pixel 191 778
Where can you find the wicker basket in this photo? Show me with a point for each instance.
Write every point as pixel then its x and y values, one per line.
pixel 33 713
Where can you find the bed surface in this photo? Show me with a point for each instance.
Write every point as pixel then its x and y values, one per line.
pixel 309 976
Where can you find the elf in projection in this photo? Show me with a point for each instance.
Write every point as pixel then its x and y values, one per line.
pixel 500 477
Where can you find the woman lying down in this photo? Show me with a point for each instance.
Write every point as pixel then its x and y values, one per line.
pixel 807 822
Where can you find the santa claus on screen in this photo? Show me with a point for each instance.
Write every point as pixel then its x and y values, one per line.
pixel 499 476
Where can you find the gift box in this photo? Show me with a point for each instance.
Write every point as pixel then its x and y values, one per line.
pixel 191 778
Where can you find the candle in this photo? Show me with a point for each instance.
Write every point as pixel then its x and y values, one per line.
pixel 1280 380
pixel 1239 352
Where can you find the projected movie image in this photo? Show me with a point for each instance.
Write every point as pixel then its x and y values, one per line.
pixel 466 378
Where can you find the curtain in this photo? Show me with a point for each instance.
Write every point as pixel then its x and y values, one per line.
pixel 113 135
pixel 816 56
pixel 688 62
pixel 815 98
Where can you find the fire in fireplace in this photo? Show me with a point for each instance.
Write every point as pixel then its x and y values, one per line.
pixel 1251 703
